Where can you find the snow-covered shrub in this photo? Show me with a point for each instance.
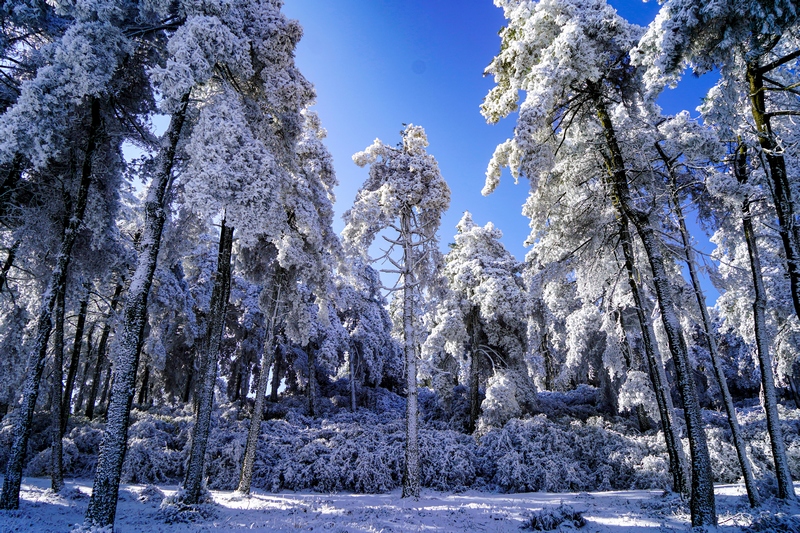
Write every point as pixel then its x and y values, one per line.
pixel 537 454
pixel 550 518
pixel 581 402
pixel 173 510
pixel 767 521
pixel 151 494
pixel 724 461
pixel 447 460
pixel 155 450
pixel 500 404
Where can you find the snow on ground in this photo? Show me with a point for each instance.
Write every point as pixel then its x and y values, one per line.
pixel 605 512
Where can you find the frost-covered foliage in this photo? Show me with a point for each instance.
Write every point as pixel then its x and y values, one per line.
pixel 551 518
pixel 363 452
pixel 479 314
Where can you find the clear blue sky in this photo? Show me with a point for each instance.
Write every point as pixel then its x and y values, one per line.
pixel 377 64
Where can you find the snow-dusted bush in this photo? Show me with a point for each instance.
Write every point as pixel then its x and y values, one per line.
pixel 173 510
pixel 151 494
pixel 550 518
pixel 537 454
pixel 156 449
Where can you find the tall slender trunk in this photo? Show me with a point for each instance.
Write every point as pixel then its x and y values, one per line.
pixel 9 262
pixel 108 382
pixel 702 503
pixel 267 355
pixel 352 354
pixel 56 285
pixel 85 373
pixel 69 385
pixel 276 377
pixel 727 399
pixel 677 458
pixel 209 352
pixel 311 390
pixel 145 384
pixel 9 184
pixel 103 503
pixel 101 352
pixel 411 475
pixel 56 445
pixel 781 189
pixel 473 329
pixel 785 486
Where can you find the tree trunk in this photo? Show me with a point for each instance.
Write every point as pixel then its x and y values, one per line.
pixel 103 503
pixel 677 459
pixel 101 352
pixel 311 390
pixel 702 503
pixel 781 189
pixel 85 373
pixel 66 401
pixel 143 388
pixel 411 475
pixel 727 399
pixel 785 486
pixel 209 353
pixel 267 355
pixel 473 330
pixel 9 262
pixel 353 405
pixel 276 377
pixel 108 382
pixel 56 444
pixel 56 285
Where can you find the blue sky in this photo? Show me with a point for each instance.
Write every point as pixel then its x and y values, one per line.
pixel 377 64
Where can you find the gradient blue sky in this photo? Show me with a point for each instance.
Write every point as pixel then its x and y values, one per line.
pixel 377 64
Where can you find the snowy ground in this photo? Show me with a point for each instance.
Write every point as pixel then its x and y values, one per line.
pixel 607 512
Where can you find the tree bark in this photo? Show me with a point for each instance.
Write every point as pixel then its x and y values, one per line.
pixel 101 352
pixel 209 353
pixel 411 475
pixel 708 329
pixel 56 444
pixel 267 356
pixel 785 486
pixel 353 405
pixel 9 262
pixel 311 390
pixel 276 377
pixel 473 329
pixel 103 503
pixel 56 285
pixel 85 373
pixel 702 503
pixel 74 362
pixel 781 188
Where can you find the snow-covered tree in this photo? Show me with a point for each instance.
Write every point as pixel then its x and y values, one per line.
pixel 481 315
pixel 405 192
pixel 572 60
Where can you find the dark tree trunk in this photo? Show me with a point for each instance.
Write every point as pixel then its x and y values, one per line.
pixel 101 353
pixel 276 377
pixel 311 390
pixel 85 373
pixel 702 503
pixel 267 356
pixel 103 503
pixel 9 262
pixel 145 384
pixel 209 354
pixel 66 401
pixel 56 444
pixel 785 486
pixel 781 188
pixel 727 399
pixel 473 330
pixel 23 424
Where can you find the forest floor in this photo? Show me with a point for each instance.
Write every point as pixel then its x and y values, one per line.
pixel 139 510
